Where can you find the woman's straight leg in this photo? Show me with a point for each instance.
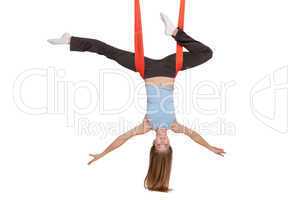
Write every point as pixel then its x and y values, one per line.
pixel 124 58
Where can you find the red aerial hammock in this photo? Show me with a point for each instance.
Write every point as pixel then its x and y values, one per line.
pixel 138 39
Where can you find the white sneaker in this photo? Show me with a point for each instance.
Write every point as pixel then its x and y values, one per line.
pixel 64 39
pixel 170 28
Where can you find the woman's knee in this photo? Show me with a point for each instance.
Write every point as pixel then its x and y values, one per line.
pixel 201 57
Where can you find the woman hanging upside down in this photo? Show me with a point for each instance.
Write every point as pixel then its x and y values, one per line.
pixel 159 82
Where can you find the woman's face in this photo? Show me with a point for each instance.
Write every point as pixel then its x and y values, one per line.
pixel 161 141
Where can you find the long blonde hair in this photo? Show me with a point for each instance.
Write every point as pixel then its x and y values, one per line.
pixel 159 171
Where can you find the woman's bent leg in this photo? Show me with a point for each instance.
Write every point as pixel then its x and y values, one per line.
pixel 198 53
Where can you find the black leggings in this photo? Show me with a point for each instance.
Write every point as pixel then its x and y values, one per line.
pixel 197 54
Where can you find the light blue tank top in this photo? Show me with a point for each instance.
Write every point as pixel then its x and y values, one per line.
pixel 160 106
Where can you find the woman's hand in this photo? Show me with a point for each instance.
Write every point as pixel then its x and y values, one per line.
pixel 95 158
pixel 217 150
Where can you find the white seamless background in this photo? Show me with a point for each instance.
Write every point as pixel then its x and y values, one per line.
pixel 58 106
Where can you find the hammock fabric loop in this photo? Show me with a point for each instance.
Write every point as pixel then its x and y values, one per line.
pixel 138 39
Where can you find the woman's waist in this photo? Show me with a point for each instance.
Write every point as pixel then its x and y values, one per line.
pixel 159 87
pixel 160 81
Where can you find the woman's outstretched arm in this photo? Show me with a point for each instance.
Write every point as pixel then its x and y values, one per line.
pixel 143 128
pixel 179 128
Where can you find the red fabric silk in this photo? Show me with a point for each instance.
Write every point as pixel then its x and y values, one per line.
pixel 179 49
pixel 138 39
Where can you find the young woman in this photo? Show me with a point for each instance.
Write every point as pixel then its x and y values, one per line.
pixel 159 81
